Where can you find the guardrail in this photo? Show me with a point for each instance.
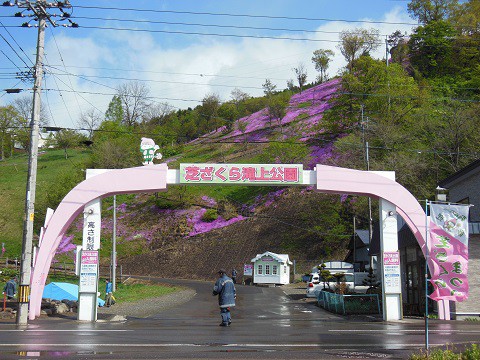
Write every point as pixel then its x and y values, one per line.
pixel 349 304
pixel 63 268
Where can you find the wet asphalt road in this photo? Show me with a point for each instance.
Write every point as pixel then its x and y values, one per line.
pixel 267 324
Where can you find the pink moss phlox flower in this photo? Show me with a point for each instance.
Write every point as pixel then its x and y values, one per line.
pixel 200 227
pixel 320 154
pixel 209 201
pixel 66 245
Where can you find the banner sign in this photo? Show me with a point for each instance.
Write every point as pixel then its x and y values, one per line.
pixel 246 174
pixel 88 271
pixel 248 269
pixel 448 249
pixel 391 272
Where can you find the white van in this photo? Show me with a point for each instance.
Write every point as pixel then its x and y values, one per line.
pixel 315 283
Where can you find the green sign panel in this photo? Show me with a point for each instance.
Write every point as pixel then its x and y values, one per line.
pixel 245 174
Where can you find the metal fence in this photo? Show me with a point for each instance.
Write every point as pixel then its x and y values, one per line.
pixel 349 304
pixel 63 268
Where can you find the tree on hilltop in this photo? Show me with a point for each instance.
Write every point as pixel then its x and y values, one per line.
pixel 321 59
pixel 357 42
pixel 426 11
pixel 134 99
pixel 300 75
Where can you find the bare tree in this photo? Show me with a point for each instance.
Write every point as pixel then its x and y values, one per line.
pixel 90 120
pixel 7 121
pixel 321 59
pixel 23 106
pixel 134 97
pixel 300 75
pixel 357 42
pixel 156 113
pixel 238 96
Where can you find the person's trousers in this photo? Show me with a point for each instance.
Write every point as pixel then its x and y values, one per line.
pixel 226 317
pixel 108 299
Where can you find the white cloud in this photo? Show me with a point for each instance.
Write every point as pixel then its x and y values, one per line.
pixel 191 72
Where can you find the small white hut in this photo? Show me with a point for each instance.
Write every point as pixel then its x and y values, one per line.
pixel 271 268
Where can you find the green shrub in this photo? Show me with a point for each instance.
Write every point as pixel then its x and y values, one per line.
pixel 8 274
pixel 210 215
pixel 471 353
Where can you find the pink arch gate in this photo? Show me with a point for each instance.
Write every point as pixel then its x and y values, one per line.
pixel 394 198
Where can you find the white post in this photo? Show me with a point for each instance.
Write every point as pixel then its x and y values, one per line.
pixel 88 286
pixel 390 262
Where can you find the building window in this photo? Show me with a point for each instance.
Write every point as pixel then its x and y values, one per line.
pixel 260 270
pixel 274 270
pixel 267 269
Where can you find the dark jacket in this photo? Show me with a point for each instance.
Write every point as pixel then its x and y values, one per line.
pixel 10 288
pixel 225 289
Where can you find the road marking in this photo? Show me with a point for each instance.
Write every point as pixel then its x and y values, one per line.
pixel 254 345
pixel 446 331
pixel 66 330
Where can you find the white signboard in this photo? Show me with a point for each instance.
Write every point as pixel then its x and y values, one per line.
pixel 248 269
pixel 91 226
pixel 391 272
pixel 88 271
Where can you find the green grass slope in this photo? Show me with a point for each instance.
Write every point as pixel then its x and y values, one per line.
pixel 51 167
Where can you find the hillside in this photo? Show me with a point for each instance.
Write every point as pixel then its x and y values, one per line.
pixel 286 225
pixel 168 235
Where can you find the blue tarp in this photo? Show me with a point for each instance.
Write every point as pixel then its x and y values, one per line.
pixel 61 291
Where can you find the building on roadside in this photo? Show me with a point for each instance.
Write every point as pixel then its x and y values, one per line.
pixel 464 187
pixel 271 269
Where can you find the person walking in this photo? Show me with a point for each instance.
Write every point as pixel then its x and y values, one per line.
pixel 225 289
pixel 234 276
pixel 108 293
pixel 10 288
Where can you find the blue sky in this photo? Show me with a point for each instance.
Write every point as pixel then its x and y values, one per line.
pixel 160 47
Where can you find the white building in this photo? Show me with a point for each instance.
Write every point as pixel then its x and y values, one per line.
pixel 271 268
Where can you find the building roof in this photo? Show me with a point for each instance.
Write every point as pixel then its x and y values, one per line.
pixel 468 170
pixel 283 258
pixel 364 236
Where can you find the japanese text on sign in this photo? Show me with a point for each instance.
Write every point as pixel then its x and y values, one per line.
pixel 88 271
pixel 241 173
pixel 391 272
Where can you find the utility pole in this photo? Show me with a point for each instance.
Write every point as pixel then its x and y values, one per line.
pixel 367 161
pixel 39 8
pixel 114 245
pixel 386 50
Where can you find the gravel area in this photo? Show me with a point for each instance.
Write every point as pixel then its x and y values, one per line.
pixel 146 307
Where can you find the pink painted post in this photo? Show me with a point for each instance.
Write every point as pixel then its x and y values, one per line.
pixel 140 179
pixel 348 181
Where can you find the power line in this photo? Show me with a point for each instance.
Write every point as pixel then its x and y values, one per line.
pixel 162 81
pixel 61 59
pixel 15 41
pixel 236 27
pixel 210 34
pixel 16 53
pixel 244 15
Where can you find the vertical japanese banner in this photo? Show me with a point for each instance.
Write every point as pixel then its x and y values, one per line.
pixel 448 248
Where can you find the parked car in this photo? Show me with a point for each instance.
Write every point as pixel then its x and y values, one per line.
pixel 316 283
